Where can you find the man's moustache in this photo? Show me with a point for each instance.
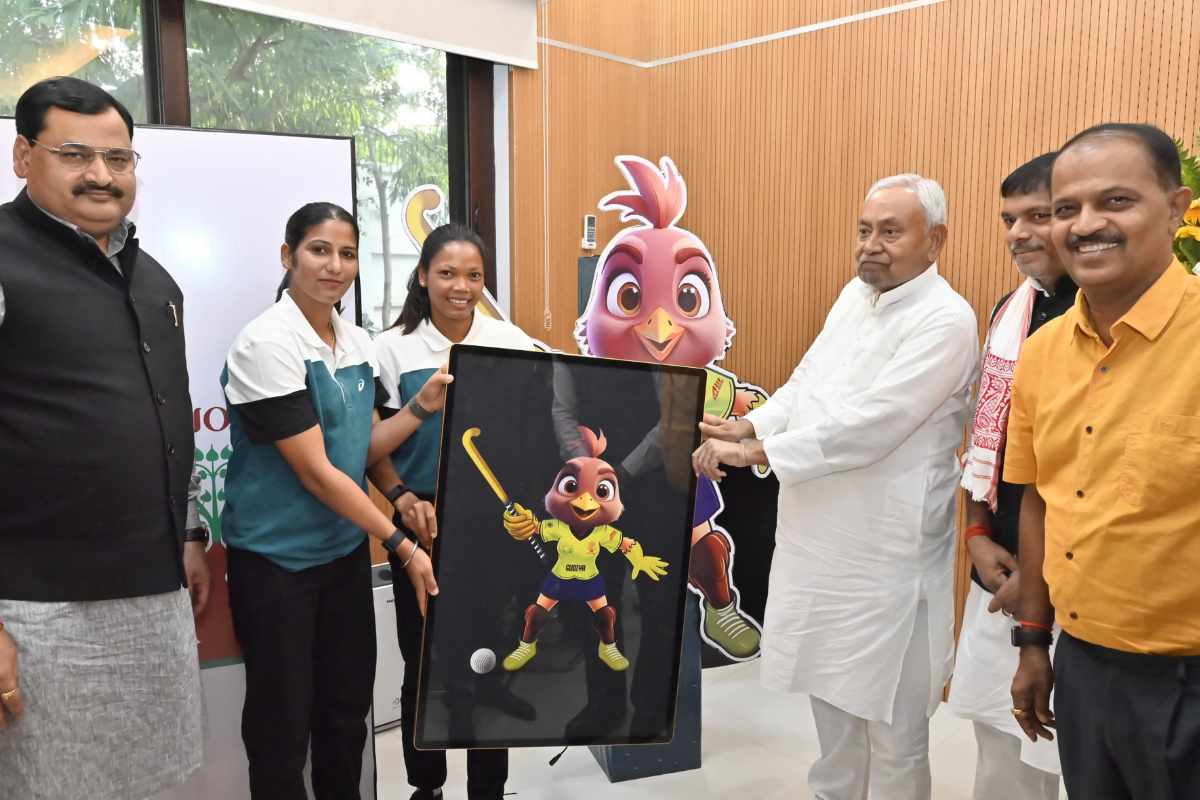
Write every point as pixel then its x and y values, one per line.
pixel 88 186
pixel 1020 251
pixel 1100 237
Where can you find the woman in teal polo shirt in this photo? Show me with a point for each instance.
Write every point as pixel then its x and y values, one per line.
pixel 301 389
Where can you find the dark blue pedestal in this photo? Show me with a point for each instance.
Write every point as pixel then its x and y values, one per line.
pixel 683 752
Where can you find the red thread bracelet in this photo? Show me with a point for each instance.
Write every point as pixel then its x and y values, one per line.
pixel 1046 628
pixel 976 530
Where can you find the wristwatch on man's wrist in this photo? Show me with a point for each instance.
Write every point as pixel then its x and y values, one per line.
pixel 395 493
pixel 418 411
pixel 199 534
pixel 1022 635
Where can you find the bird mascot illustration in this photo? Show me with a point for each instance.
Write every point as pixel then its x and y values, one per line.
pixel 656 299
pixel 583 502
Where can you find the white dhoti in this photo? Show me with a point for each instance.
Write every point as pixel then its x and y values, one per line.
pixel 1009 765
pixel 892 758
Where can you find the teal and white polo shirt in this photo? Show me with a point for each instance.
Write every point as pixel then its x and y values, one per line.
pixel 406 362
pixel 280 379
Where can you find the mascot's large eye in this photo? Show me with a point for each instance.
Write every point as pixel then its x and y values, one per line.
pixel 568 485
pixel 624 295
pixel 607 490
pixel 693 296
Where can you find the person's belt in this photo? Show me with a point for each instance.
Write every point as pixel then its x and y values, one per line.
pixel 1184 667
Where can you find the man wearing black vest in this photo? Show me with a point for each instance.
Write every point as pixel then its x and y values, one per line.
pixel 99 679
pixel 1008 766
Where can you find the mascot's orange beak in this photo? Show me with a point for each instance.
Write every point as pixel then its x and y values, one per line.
pixel 659 333
pixel 585 506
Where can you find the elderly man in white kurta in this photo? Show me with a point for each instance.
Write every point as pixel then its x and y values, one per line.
pixel 860 614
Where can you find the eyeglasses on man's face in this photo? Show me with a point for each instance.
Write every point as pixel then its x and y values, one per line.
pixel 78 157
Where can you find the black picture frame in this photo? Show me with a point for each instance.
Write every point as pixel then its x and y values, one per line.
pixel 449 496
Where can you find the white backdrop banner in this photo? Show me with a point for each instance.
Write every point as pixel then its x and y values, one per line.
pixel 211 208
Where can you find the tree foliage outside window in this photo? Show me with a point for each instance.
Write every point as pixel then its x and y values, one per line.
pixel 257 73
pixel 254 72
pixel 96 40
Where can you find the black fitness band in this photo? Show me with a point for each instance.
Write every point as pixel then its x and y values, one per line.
pixel 393 542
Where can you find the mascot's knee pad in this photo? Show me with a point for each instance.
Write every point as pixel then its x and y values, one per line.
pixel 536 620
pixel 602 622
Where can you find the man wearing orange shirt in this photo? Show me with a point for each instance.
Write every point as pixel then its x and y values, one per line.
pixel 1105 430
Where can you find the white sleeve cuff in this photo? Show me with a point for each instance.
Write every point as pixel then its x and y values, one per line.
pixel 795 457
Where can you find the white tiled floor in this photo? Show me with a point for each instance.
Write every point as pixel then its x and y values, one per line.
pixel 757 744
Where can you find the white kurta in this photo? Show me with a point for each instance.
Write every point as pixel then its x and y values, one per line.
pixel 863 439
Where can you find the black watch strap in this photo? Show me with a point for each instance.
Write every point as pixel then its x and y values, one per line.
pixel 393 542
pixel 419 411
pixel 395 493
pixel 1022 636
pixel 199 534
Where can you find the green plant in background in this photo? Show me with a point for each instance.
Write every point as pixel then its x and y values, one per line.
pixel 1187 239
pixel 210 467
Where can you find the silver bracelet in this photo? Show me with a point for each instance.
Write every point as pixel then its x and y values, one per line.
pixel 411 556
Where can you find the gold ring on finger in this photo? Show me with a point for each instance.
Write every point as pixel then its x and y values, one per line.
pixel 1018 712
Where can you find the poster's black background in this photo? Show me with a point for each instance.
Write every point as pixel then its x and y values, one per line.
pixel 486 579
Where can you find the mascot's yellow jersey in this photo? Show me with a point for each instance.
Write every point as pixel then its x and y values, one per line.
pixel 577 557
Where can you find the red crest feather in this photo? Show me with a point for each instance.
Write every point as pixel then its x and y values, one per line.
pixel 658 198
pixel 594 444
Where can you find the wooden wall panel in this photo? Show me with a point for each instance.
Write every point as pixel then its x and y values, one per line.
pixel 778 142
pixel 617 27
pixel 685 27
pixel 596 106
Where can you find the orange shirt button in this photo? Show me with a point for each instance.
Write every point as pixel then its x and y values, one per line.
pixel 1074 615
pixel 1089 428
pixel 1070 556
pixel 1079 493
pixel 1104 368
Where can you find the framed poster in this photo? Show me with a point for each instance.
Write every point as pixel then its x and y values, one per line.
pixel 561 576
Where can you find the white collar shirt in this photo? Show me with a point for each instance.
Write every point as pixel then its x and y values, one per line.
pixel 862 439
pixel 426 348
pixel 269 358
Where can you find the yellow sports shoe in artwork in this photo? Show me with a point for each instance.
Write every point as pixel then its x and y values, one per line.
pixel 611 656
pixel 520 657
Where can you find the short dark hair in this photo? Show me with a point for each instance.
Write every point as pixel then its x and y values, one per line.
pixel 1032 176
pixel 69 94
pixel 1164 155
pixel 417 307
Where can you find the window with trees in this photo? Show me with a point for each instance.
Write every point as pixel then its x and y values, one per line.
pixel 253 72
pixel 259 73
pixel 96 40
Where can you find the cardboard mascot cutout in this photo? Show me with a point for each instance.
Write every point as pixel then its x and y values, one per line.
pixel 656 298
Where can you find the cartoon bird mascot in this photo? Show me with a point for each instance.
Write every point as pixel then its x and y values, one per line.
pixel 583 502
pixel 656 299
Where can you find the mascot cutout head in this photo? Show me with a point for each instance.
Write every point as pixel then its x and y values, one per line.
pixel 656 296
